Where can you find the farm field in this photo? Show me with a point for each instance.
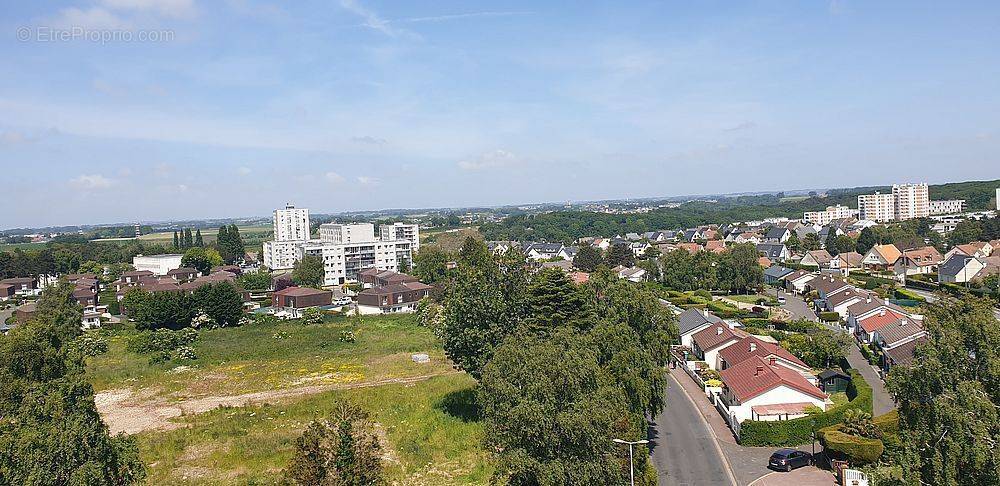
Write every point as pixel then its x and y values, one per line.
pixel 249 233
pixel 231 415
pixel 449 240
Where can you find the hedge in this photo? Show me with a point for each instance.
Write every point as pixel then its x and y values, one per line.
pixel 888 423
pixel 909 295
pixel 860 450
pixel 920 284
pixel 799 431
pixel 829 316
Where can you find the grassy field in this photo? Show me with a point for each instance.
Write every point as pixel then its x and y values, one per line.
pixel 23 246
pixel 429 427
pixel 248 233
pixel 449 240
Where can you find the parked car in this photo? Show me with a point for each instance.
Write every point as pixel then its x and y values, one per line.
pixel 788 459
pixel 781 299
pixel 345 300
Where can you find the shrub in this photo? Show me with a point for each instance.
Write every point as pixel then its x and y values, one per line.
pixel 859 423
pixel 829 316
pixel 703 294
pixel 347 337
pixel 799 431
pixel 91 344
pixel 888 423
pixel 859 450
pixel 908 295
pixel 161 341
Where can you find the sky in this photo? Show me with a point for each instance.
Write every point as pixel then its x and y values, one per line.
pixel 151 110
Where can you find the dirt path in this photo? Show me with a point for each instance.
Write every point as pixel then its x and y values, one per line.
pixel 130 411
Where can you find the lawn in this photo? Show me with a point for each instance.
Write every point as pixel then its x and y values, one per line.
pixel 274 356
pixel 429 429
pixel 449 240
pixel 248 233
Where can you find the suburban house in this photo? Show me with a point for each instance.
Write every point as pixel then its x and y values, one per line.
pixel 764 262
pixel 798 280
pixel 91 320
pixel 842 299
pixel 292 301
pixel 133 277
pixel 500 247
pixel 632 274
pixel 976 248
pixel 568 252
pixel 692 234
pixel 817 258
pixel 960 268
pixel 85 297
pixel 772 353
pixel 692 321
pixel 183 274
pixel 901 355
pixel 898 333
pixel 918 261
pixel 638 248
pixel 373 277
pixel 22 285
pixel 715 246
pixel 826 286
pixel 747 237
pixel 157 264
pixel 691 248
pixel 6 291
pixel 757 390
pixel 777 234
pixel 881 257
pixel 542 251
pixel 401 297
pixel 867 327
pixel 776 252
pixel 845 262
pixel 707 343
pixel 775 274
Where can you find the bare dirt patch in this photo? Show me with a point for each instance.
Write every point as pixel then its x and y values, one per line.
pixel 132 411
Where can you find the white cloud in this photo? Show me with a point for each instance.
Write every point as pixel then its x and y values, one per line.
pixel 468 15
pixel 368 180
pixel 334 177
pixel 369 140
pixel 747 125
pixel 182 187
pixel 489 160
pixel 372 20
pixel 162 169
pixel 165 8
pixel 91 18
pixel 244 170
pixel 107 14
pixel 91 181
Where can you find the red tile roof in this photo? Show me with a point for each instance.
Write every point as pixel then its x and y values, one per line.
pixel 754 377
pixel 741 351
pixel 301 291
pixel 880 320
pixel 715 336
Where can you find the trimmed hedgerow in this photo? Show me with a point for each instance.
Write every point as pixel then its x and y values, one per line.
pixel 859 450
pixel 799 431
pixel 829 316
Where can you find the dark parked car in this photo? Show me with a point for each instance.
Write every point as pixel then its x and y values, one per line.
pixel 788 459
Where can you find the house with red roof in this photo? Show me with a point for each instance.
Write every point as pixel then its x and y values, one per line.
pixel 756 390
pixel 868 326
pixel 707 343
pixel 772 353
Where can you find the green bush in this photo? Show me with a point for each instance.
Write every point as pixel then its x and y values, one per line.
pixel 829 316
pixel 859 450
pixel 703 294
pixel 888 423
pixel 161 340
pixel 908 295
pixel 799 431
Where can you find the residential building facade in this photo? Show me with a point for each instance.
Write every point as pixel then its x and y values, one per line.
pixel 291 224
pixel 950 206
pixel 157 264
pixel 876 207
pixel 911 201
pixel 831 213
pixel 401 231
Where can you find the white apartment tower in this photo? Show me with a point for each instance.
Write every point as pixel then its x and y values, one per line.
pixel 949 206
pixel 291 230
pixel 911 201
pixel 346 249
pixel 347 233
pixel 401 231
pixel 877 207
pixel 291 224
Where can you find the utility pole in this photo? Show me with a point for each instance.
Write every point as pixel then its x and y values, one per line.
pixel 631 464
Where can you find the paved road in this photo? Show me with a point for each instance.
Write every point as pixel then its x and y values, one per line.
pixel 683 449
pixel 882 402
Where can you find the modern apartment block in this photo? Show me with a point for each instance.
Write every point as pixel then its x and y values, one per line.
pixel 877 207
pixel 345 256
pixel 291 224
pixel 950 206
pixel 911 201
pixel 401 231
pixel 831 213
pixel 291 230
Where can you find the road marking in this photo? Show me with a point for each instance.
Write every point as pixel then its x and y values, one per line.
pixel 715 439
pixel 762 477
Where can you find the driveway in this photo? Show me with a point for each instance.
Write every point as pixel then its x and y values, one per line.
pixel 882 402
pixel 684 450
pixel 803 476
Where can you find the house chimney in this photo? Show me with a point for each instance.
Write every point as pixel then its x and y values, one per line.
pixel 881 312
pixel 869 300
pixel 758 371
pixel 753 347
pixel 902 322
pixel 718 331
pixel 705 311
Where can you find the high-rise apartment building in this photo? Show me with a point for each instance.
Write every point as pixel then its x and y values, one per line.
pixel 950 206
pixel 831 213
pixel 347 233
pixel 291 224
pixel 877 207
pixel 401 231
pixel 911 201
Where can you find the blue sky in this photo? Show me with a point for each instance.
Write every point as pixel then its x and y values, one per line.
pixel 242 105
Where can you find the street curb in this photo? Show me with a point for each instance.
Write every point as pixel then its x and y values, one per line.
pixel 762 477
pixel 715 438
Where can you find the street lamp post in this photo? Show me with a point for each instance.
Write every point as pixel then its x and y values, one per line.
pixel 812 425
pixel 631 465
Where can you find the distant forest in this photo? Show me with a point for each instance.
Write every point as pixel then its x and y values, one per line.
pixel 566 226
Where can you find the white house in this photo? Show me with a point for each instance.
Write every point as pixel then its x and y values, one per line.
pixel 692 321
pixel 757 390
pixel 881 257
pixel 799 279
pixel 707 343
pixel 961 268
pixel 918 261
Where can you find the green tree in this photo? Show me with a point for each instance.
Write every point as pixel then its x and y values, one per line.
pixel 198 241
pixel 486 302
pixel 221 301
pixel 620 254
pixel 550 412
pixel 948 399
pixel 831 242
pixel 811 242
pixel 259 280
pixel 965 231
pixel 430 264
pixel 587 258
pixel 157 310
pixel 818 348
pixel 200 259
pixel 739 270
pixel 177 243
pixel 188 240
pixel 678 270
pixel 342 450
pixel 308 271
pixel 793 243
pixel 50 431
pixel 555 301
pixel 843 244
